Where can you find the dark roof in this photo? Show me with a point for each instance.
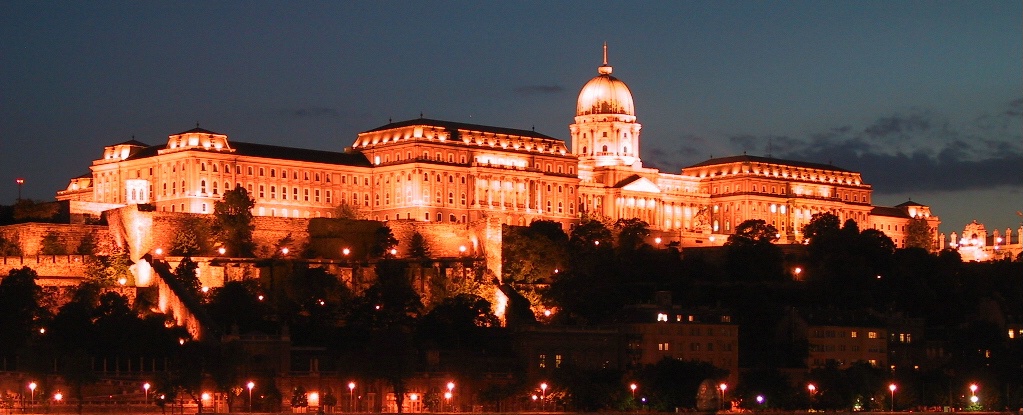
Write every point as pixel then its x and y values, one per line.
pixel 626 181
pixel 198 130
pixel 452 126
pixel 300 154
pixel 278 152
pixel 132 142
pixel 909 203
pixel 889 211
pixel 755 159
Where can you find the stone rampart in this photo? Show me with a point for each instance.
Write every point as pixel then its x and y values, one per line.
pixel 270 230
pixel 65 266
pixel 480 238
pixel 29 236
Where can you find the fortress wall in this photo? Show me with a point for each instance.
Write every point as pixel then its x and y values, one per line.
pixel 62 269
pixel 30 236
pixel 269 230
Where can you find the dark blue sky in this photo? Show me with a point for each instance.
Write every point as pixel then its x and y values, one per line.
pixel 924 98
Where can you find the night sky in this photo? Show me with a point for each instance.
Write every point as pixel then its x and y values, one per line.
pixel 924 98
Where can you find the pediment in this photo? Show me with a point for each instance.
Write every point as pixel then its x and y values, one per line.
pixel 639 184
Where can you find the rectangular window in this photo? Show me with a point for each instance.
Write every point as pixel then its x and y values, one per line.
pixel 543 361
pixel 305 194
pixel 316 194
pixel 329 198
pixel 557 361
pixel 871 334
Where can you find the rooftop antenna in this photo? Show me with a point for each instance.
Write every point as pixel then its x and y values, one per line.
pixel 420 115
pixel 605 53
pixel 197 124
pixel 389 120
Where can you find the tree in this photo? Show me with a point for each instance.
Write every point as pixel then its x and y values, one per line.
pixel 383 242
pixel 673 383
pixel 589 234
pixel 752 254
pixel 630 233
pixel 19 308
pixel 532 254
pixel 192 238
pixel 52 245
pixel 233 222
pixel 821 224
pixel 752 232
pixel 349 211
pixel 185 275
pixel 87 245
pixel 919 235
pixel 419 247
pixel 10 247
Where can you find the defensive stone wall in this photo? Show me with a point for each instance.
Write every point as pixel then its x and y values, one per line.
pixel 29 236
pixel 61 269
pixel 270 230
pixel 480 238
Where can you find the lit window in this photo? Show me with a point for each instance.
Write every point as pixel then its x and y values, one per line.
pixel 871 334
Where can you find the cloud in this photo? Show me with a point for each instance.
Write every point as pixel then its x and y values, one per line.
pixel 313 112
pixel 539 89
pixel 899 125
pixel 915 151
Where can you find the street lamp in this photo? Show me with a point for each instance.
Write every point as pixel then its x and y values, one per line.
pixel 250 385
pixel 32 388
pixel 892 388
pixel 351 396
pixel 813 390
pixel 633 388
pixel 722 387
pixel 145 387
pixel 543 394
pixel 450 393
pixel 973 394
pixel 20 182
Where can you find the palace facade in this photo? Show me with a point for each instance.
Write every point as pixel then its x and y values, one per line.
pixel 443 171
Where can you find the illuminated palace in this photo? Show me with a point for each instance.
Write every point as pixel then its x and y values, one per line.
pixel 441 171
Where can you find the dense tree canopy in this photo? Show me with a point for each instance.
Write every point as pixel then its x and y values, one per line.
pixel 232 224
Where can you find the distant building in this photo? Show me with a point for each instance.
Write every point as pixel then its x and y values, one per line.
pixel 977 244
pixel 689 336
pixel 451 172
pixel 845 345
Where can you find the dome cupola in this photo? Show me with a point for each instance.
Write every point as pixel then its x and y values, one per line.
pixel 605 94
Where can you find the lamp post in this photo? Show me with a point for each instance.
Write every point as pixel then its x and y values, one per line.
pixel 722 387
pixel 351 396
pixel 450 394
pixel 892 388
pixel 543 395
pixel 633 388
pixel 32 388
pixel 145 387
pixel 813 390
pixel 250 385
pixel 20 182
pixel 973 394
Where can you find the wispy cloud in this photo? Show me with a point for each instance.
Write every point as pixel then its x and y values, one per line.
pixel 919 150
pixel 539 89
